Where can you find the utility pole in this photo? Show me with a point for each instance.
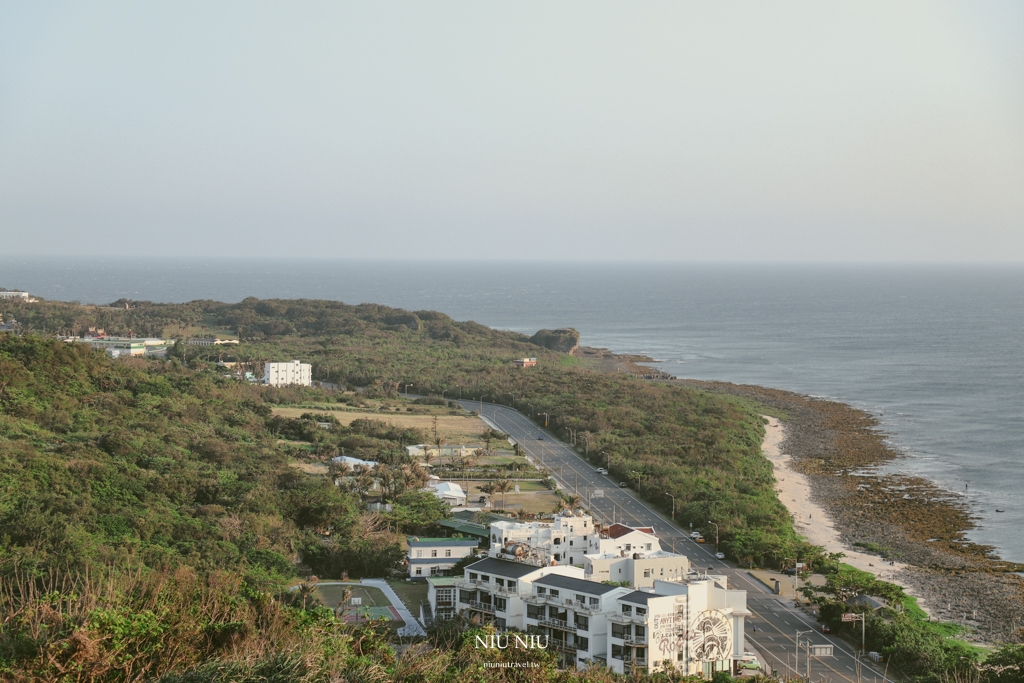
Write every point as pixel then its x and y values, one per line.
pixel 716 534
pixel 796 667
pixel 546 416
pixel 673 506
pixel 407 390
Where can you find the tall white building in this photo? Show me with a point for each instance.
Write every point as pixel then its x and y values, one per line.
pixel 286 374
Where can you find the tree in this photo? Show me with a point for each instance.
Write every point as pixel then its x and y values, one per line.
pixel 439 440
pixel 502 486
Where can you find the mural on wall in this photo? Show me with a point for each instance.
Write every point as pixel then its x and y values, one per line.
pixel 710 637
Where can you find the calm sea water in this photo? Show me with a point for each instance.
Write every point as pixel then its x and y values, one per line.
pixel 936 352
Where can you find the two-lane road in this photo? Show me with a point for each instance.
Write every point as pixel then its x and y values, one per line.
pixel 777 621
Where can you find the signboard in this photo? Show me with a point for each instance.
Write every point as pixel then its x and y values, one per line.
pixel 598 493
pixel 851 617
pixel 355 601
pixel 799 565
pixel 821 650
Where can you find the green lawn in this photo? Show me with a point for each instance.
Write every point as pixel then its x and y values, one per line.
pixel 412 593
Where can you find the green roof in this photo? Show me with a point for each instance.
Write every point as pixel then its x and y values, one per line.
pixel 463 527
pixel 420 541
pixel 442 580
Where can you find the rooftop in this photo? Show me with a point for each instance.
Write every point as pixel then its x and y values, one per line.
pixel 439 581
pixel 422 542
pixel 619 530
pixel 639 597
pixel 509 570
pixel 578 585
pixel 464 527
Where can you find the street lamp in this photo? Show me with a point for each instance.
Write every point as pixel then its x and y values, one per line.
pixel 546 416
pixel 513 401
pixel 716 534
pixel 799 634
pixel 407 390
pixel 673 505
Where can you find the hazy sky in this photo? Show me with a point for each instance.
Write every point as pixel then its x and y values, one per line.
pixel 676 131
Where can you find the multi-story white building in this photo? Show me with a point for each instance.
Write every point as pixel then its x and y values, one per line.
pixel 694 625
pixel 287 374
pixel 568 539
pixel 436 556
pixel 641 568
pixel 441 599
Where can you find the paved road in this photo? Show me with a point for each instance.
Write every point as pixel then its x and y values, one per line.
pixel 777 620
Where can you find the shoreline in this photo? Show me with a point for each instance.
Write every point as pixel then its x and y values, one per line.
pixel 814 523
pixel 834 456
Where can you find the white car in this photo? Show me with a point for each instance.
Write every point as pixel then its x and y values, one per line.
pixel 694 534
pixel 720 556
pixel 601 470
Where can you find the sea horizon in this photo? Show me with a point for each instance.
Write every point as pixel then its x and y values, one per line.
pixel 932 350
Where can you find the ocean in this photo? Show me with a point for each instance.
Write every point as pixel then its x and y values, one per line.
pixel 937 352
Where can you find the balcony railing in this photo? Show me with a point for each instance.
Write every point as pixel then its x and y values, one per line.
pixel 562 647
pixel 628 618
pixel 635 640
pixel 445 603
pixel 557 623
pixel 481 606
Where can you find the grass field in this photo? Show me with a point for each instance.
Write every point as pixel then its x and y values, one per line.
pixel 412 593
pixel 459 430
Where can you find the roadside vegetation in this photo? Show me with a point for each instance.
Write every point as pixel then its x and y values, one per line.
pixel 133 487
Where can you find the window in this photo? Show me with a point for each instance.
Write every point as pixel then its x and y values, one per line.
pixel 627 609
pixel 419 571
pixel 647 573
pixel 485 578
pixel 558 556
pixel 617 652
pixel 553 593
pixel 641 654
pixel 595 602
pixel 500 604
pixel 467 596
pixel 511 585
pixel 638 631
pixel 641 611
pixel 648 546
pixel 628 547
pixel 472 576
pixel 582 599
pixel 582 622
pixel 419 553
pixel 541 590
pixel 557 541
pixel 448 552
pixel 663 571
pixel 582 643
pixel 499 582
pixel 619 631
pixel 534 612
pixel 433 553
pixel 570 542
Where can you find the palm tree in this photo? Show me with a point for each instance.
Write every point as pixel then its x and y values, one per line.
pixel 503 486
pixel 574 501
pixel 561 506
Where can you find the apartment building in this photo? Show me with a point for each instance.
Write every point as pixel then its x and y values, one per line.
pixel 441 603
pixel 287 374
pixel 694 625
pixel 436 556
pixel 641 568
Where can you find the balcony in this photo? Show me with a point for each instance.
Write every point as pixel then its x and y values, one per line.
pixel 628 618
pixel 556 623
pixel 481 606
pixel 562 647
pixel 634 640
pixel 583 607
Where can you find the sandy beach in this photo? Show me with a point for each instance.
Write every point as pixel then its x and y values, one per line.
pixel 811 521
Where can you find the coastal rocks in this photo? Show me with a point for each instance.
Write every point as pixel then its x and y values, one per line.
pixel 901 517
pixel 564 340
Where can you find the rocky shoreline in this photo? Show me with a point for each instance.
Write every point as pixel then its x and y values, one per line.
pixel 899 517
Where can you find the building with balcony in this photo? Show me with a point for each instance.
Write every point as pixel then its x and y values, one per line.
pixel 565 540
pixel 573 613
pixel 619 538
pixel 494 590
pixel 694 626
pixel 436 556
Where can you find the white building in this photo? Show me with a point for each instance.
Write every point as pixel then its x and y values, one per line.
pixel 449 492
pixel 568 539
pixel 211 341
pixel 287 374
pixel 640 568
pixel 694 625
pixel 440 598
pixel 24 296
pixel 436 556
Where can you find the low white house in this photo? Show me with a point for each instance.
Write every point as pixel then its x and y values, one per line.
pixel 436 556
pixel 449 492
pixel 288 374
pixel 422 450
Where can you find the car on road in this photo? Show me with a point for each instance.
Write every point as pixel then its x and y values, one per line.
pixel 700 539
pixel 720 556
pixel 789 571
pixel 623 485
pixel 482 499
pixel 750 664
pixel 694 534
pixel 540 437
pixel 825 628
pixel 601 470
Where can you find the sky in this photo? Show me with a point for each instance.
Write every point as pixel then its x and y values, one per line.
pixel 676 131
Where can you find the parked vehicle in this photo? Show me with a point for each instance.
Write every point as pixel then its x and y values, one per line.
pixel 601 470
pixel 482 499
pixel 694 534
pixel 700 539
pixel 623 485
pixel 720 556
